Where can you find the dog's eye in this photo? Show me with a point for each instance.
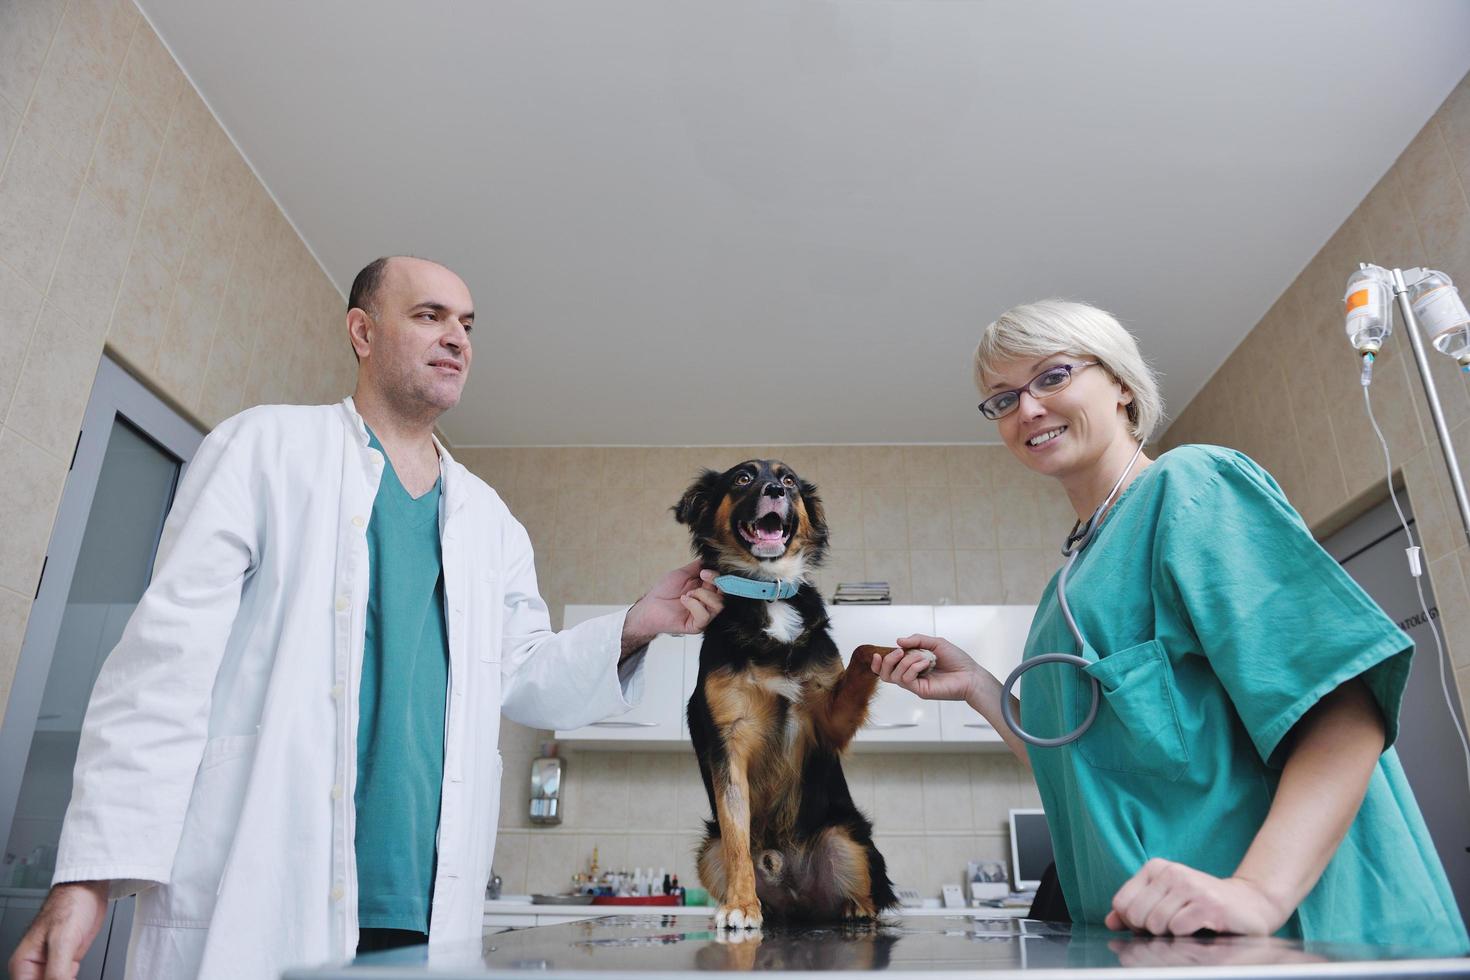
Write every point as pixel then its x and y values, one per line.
pixel 787 481
pixel 743 480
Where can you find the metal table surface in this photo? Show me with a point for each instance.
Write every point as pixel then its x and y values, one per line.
pixel 627 947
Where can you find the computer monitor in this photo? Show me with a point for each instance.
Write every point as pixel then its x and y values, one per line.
pixel 1030 848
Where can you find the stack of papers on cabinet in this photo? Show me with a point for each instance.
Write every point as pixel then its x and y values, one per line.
pixel 870 593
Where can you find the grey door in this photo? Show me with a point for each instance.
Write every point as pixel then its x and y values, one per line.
pixel 130 455
pixel 1371 550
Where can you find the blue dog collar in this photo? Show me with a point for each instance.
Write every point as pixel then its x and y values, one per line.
pixel 750 588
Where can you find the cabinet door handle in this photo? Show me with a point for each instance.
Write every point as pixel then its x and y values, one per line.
pixel 623 724
pixel 893 724
pixel 979 724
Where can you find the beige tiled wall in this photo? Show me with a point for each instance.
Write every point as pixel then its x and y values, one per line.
pixel 923 518
pixel 920 517
pixel 1289 395
pixel 129 222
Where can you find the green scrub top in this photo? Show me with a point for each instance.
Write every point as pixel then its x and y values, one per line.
pixel 400 728
pixel 1214 622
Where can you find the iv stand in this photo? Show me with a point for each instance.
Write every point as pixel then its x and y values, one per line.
pixel 1401 293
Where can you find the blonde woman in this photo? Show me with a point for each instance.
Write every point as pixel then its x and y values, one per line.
pixel 1236 774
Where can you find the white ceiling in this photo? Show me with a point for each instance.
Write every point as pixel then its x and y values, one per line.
pixel 690 222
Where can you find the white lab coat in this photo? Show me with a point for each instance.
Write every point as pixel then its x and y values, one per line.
pixel 216 768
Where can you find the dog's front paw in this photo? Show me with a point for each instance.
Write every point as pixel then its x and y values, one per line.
pixel 857 910
pixel 739 915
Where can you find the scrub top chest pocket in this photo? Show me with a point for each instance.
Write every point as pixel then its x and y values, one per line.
pixel 1137 728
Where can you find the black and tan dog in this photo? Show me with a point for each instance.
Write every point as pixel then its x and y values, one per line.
pixel 773 709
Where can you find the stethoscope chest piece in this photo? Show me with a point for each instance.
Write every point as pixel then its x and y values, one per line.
pixel 1069 737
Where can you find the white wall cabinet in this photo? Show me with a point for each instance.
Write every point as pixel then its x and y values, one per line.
pixel 658 716
pixel 995 637
pixel 897 720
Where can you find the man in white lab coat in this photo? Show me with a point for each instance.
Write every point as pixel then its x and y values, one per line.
pixel 271 706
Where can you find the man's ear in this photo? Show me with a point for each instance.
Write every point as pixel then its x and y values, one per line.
pixel 359 331
pixel 694 506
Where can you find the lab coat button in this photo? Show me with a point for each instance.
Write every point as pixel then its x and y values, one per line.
pixel 342 603
pixel 358 521
pixel 336 692
pixel 338 893
pixel 336 792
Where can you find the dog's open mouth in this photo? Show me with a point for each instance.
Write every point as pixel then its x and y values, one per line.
pixel 766 535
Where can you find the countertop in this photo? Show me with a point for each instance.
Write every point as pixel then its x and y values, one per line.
pixel 625 947
pixel 501 907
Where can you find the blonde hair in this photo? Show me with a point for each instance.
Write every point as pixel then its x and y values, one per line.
pixel 1054 326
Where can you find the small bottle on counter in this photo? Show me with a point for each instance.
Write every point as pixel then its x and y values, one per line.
pixel 677 890
pixel 666 886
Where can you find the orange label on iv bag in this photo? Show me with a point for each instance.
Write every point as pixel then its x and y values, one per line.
pixel 1357 299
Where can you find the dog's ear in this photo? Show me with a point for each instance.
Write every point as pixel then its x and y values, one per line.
pixel 817 534
pixel 697 500
pixel 815 512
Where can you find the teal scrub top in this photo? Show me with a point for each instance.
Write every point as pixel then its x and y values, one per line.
pixel 400 729
pixel 1214 622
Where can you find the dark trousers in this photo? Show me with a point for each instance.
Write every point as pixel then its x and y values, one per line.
pixel 377 940
pixel 1049 905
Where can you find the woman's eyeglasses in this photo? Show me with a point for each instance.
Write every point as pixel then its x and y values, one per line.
pixel 1048 382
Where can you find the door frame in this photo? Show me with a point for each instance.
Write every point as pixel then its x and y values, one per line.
pixel 115 393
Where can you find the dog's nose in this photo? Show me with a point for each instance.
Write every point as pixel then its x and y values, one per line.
pixel 774 490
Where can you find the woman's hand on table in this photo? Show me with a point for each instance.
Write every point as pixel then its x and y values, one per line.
pixel 933 668
pixel 1166 898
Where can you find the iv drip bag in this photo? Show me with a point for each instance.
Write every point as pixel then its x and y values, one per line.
pixel 1368 306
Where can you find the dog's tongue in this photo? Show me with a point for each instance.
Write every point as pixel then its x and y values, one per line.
pixel 768 535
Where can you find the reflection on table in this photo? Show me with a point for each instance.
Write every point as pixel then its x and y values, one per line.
pixel 639 946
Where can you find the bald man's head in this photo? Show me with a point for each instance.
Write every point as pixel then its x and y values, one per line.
pixel 409 322
pixel 364 293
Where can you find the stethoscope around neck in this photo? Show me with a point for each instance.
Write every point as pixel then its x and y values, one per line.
pixel 1078 539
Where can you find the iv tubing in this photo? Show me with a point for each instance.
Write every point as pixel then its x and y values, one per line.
pixel 1415 571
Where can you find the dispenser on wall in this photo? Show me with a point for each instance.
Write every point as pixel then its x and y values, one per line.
pixel 548 776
